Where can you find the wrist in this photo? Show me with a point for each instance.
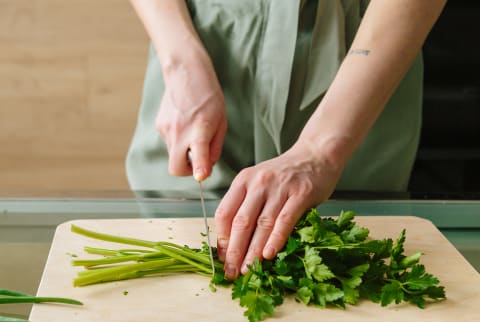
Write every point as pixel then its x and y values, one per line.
pixel 184 59
pixel 333 150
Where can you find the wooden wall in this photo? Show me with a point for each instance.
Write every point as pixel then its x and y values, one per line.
pixel 71 74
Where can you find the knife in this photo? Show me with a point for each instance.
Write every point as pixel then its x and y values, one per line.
pixel 207 229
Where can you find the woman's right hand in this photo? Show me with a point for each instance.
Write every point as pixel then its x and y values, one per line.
pixel 192 111
pixel 192 116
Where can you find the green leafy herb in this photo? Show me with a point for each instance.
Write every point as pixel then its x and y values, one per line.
pixel 325 262
pixel 331 262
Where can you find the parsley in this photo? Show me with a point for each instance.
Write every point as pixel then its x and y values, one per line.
pixel 325 262
pixel 331 262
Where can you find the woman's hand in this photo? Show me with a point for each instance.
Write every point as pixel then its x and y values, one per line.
pixel 265 201
pixel 192 117
pixel 192 112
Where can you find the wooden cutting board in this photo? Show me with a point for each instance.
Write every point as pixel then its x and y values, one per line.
pixel 187 297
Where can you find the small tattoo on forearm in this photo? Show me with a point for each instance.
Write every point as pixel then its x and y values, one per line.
pixel 364 52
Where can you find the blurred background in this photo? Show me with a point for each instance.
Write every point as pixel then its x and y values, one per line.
pixel 449 155
pixel 71 75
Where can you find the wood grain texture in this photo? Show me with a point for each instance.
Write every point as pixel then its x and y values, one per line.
pixel 71 75
pixel 186 297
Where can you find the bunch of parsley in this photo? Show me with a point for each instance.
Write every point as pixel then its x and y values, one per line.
pixel 324 262
pixel 331 262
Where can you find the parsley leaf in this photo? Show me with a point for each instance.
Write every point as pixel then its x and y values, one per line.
pixel 391 292
pixel 313 266
pixel 258 306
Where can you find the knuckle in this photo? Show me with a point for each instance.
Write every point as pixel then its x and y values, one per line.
pixel 221 214
pixel 309 186
pixel 305 188
pixel 286 219
pixel 265 222
pixel 200 141
pixel 265 178
pixel 254 252
pixel 241 223
pixel 276 239
pixel 204 124
pixel 234 255
pixel 242 175
pixel 203 128
pixel 222 242
pixel 161 126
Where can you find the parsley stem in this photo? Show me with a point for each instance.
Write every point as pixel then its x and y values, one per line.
pixel 187 252
pixel 402 286
pixel 109 252
pixel 112 238
pixel 103 261
pixel 185 257
pixel 118 272
pixel 165 247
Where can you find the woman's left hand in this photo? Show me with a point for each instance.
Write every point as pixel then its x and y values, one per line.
pixel 264 203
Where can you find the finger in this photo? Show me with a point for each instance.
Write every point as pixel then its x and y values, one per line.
pixel 224 214
pixel 265 224
pixel 217 143
pixel 201 165
pixel 242 228
pixel 284 224
pixel 161 125
pixel 200 147
pixel 178 164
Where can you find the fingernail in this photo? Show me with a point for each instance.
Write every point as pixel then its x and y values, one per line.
pixel 199 174
pixel 244 268
pixel 230 271
pixel 269 252
pixel 222 245
pixel 221 253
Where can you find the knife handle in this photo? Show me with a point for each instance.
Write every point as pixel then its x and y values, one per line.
pixel 189 157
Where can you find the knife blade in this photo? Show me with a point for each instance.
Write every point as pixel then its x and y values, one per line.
pixel 204 212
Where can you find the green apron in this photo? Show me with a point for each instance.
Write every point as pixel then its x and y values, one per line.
pixel 274 60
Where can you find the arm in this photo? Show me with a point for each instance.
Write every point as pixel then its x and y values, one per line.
pixel 192 113
pixel 386 44
pixel 267 200
pixel 171 30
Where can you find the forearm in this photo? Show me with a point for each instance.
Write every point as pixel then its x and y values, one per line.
pixel 169 25
pixel 387 42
